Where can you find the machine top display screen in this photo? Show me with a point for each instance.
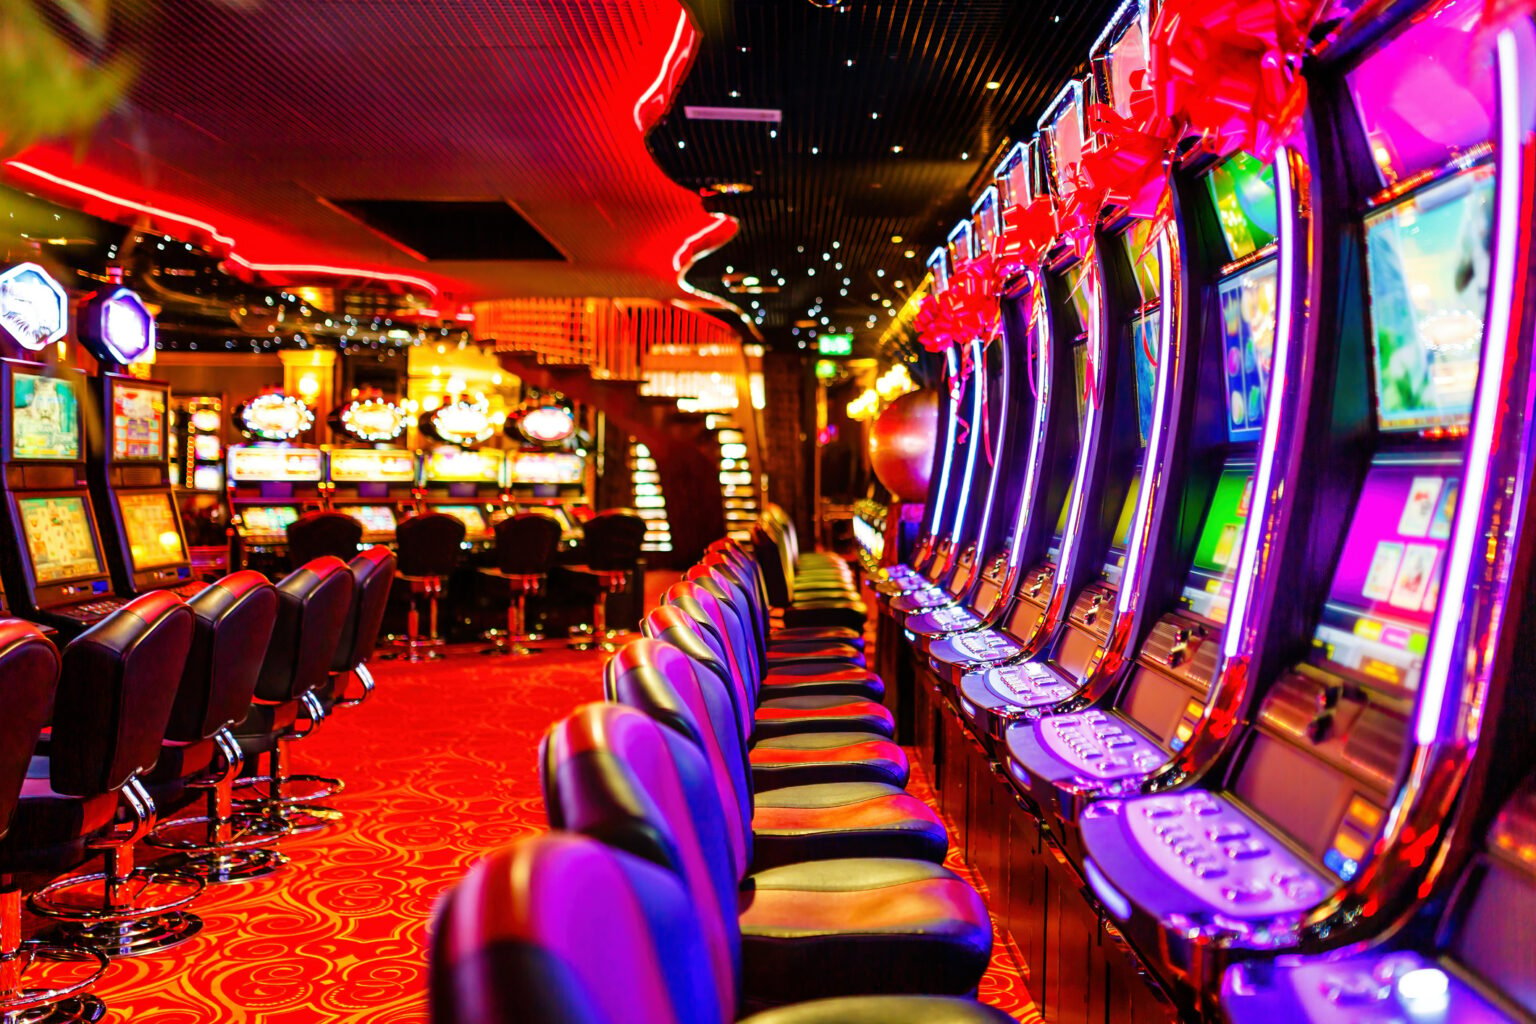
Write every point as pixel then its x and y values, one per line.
pixel 1141 249
pixel 372 518
pixel 1126 67
pixel 1242 189
pixel 1427 266
pixel 1428 96
pixel 1248 317
pixel 1114 564
pixel 61 540
pixel 1077 299
pixel 1387 581
pixel 1144 337
pixel 470 515
pixel 1208 590
pixel 153 530
pixel 138 422
pixel 268 518
pixel 45 418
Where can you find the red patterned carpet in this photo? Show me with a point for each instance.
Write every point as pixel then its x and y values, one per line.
pixel 440 766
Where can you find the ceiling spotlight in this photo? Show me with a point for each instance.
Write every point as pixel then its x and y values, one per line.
pixel 815 150
pixel 999 85
pixel 831 5
pixel 726 188
pixel 909 254
pixel 896 239
pixel 896 149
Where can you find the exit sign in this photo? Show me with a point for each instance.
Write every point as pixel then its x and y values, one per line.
pixel 835 344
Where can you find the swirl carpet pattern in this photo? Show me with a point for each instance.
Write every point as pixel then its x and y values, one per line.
pixel 440 766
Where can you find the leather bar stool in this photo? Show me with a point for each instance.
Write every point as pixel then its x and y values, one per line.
pixel 313 604
pixel 429 546
pixel 751 575
pixel 116 691
pixel 373 575
pixel 526 547
pixel 849 926
pixel 613 540
pixel 234 622
pixel 323 533
pixel 29 666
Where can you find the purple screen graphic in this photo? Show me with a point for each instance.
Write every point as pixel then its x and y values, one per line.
pixel 1428 96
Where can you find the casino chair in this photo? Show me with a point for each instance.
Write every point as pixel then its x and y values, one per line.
pixel 561 929
pixel 85 796
pixel 613 540
pixel 234 622
pixel 719 577
pixel 373 575
pixel 526 547
pixel 429 547
pixel 848 926
pixel 323 533
pixel 731 553
pixel 29 664
pixel 314 603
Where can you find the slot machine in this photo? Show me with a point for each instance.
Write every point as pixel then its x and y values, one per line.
pixel 547 471
pixel 371 481
pixel 465 483
pixel 1309 804
pixel 270 481
pixel 54 566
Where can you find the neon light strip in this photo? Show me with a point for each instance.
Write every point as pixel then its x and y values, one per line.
pixel 978 392
pixel 1501 297
pixel 666 69
pixel 1279 380
pixel 998 469
pixel 1037 436
pixel 1133 558
pixel 936 523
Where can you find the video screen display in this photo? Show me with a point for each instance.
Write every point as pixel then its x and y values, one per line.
pixel 138 422
pixel 1242 188
pixel 60 539
pixel 1144 337
pixel 1080 377
pixel 1208 590
pixel 1115 563
pixel 153 530
pixel 470 515
pixel 1428 96
pixel 1127 67
pixel 266 519
pixel 1248 344
pixel 372 518
pixel 1146 265
pixel 1386 585
pixel 1054 551
pixel 45 418
pixel 1077 298
pixel 1427 264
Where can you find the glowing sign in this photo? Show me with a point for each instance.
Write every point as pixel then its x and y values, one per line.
pixel 835 344
pixel 464 420
pixel 547 468
pixel 117 327
pixel 373 419
pixel 366 465
pixel 275 417
pixel 273 463
pixel 454 465
pixel 34 310
pixel 548 424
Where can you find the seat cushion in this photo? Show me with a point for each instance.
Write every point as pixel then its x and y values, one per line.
pixel 790 636
pixel 884 1010
pixel 808 759
pixel 181 761
pixel 822 713
pixel 814 680
pixel 262 726
pixel 850 615
pixel 835 653
pixel 48 826
pixel 860 926
pixel 844 819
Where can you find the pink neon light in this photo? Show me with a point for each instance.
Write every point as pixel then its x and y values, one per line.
pixel 669 66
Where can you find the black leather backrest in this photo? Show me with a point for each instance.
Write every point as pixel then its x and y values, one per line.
pixel 429 544
pixel 313 604
pixel 373 572
pixel 234 621
pixel 613 540
pixel 116 690
pixel 29 673
pixel 323 533
pixel 527 543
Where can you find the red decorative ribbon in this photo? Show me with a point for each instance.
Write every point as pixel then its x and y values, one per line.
pixel 1128 165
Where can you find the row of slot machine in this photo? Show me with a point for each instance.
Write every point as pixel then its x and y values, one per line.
pixel 1233 604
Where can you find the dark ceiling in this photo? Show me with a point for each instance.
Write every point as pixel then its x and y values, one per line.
pixel 854 83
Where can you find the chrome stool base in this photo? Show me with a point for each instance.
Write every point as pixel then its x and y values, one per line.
pixel 302 819
pixel 47 1001
pixel 324 787
pixel 229 868
pixel 101 921
pixel 74 1010
pixel 120 939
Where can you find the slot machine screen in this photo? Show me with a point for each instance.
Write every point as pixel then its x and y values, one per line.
pixel 268 518
pixel 1080 379
pixel 1061 522
pixel 1248 310
pixel 1127 67
pixel 1146 265
pixel 1427 265
pixel 1144 336
pixel 138 422
pixel 1208 590
pixel 45 418
pixel 1242 189
pixel 61 541
pixel 470 515
pixel 1077 297
pixel 154 535
pixel 372 518
pixel 1386 585
pixel 1427 97
pixel 1116 560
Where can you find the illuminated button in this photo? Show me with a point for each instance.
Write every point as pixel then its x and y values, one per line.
pixel 1207 871
pixel 1245 892
pixel 1160 809
pixel 1226 831
pixel 1353 988
pixel 1202 805
pixel 1246 849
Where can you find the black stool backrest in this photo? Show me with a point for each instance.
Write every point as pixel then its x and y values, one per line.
pixel 373 572
pixel 116 690
pixel 527 543
pixel 312 608
pixel 613 540
pixel 29 674
pixel 234 621
pixel 323 533
pixel 429 544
